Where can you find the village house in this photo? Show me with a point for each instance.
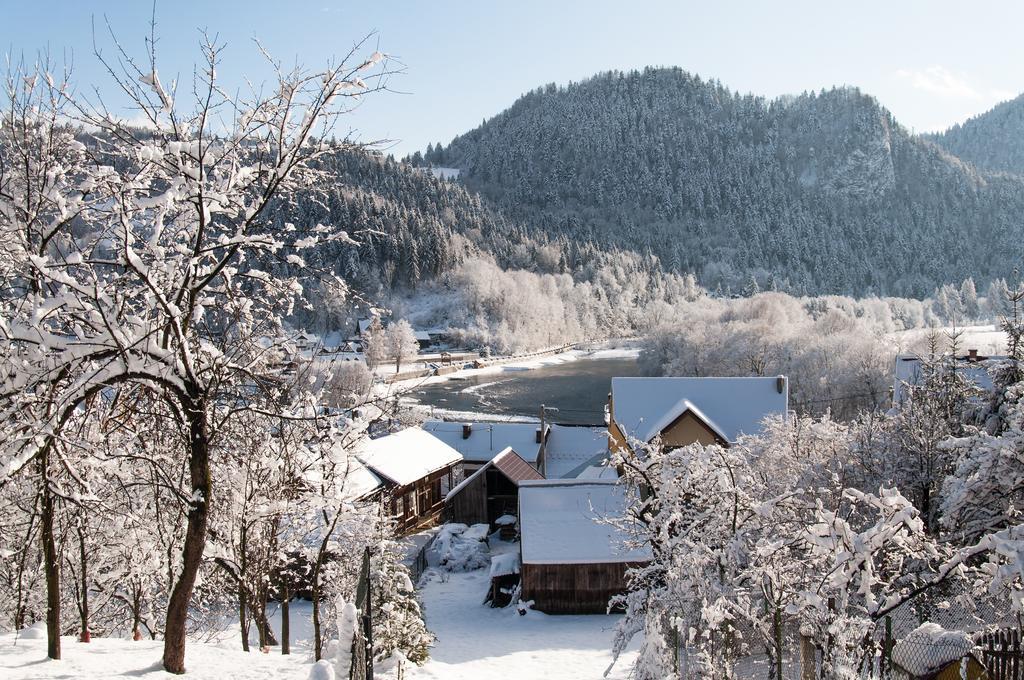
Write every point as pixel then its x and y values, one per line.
pixel 416 470
pixel 972 365
pixel 573 557
pixel 682 411
pixel 480 442
pixel 491 492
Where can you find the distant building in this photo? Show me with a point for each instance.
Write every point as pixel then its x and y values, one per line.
pixel 975 367
pixel 682 411
pixel 416 470
pixel 574 559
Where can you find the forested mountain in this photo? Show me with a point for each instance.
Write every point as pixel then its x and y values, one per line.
pixel 992 141
pixel 824 192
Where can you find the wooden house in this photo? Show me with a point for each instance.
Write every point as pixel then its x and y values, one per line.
pixel 682 411
pixel 490 492
pixel 573 559
pixel 417 470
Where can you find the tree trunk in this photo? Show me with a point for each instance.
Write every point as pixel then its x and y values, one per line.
pixel 259 613
pixel 243 619
pixel 286 626
pixel 318 644
pixel 51 565
pixel 84 609
pixel 195 541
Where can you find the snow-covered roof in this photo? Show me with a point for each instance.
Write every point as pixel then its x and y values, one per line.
pixel 406 456
pixel 422 336
pixel 643 407
pixel 572 448
pixel 563 522
pixel 510 464
pixel 929 647
pixel 504 564
pixel 598 472
pixel 908 372
pixel 486 440
pixel 364 325
pixel 360 482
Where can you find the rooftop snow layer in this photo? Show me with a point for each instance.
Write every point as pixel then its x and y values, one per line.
pixel 563 522
pixel 571 448
pixel 930 647
pixel 643 407
pixel 488 439
pixel 406 456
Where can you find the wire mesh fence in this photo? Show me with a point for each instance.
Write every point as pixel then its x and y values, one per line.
pixel 979 640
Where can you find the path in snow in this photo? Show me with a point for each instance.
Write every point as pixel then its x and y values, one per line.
pixel 476 642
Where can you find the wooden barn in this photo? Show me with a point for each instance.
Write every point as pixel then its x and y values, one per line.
pixel 417 471
pixel 573 560
pixel 490 492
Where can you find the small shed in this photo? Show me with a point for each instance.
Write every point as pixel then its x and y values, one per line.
pixel 417 471
pixel 491 492
pixel 574 556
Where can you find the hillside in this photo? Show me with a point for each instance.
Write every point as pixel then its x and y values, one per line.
pixel 992 141
pixel 824 192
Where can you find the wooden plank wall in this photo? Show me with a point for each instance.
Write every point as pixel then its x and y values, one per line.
pixel 469 506
pixel 573 588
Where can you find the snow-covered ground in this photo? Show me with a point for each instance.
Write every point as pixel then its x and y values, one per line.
pixel 115 658
pixel 476 642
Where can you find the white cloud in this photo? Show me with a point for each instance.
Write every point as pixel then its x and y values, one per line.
pixel 939 80
pixel 1004 95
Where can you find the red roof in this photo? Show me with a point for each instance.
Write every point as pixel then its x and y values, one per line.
pixel 514 467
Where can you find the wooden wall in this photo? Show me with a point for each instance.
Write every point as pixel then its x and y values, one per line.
pixel 421 502
pixel 573 588
pixel 469 505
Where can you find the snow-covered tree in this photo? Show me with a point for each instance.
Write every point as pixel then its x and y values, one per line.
pixel 375 343
pixel 401 342
pixel 142 262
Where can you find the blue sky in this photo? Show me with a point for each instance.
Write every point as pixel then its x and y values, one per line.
pixel 931 63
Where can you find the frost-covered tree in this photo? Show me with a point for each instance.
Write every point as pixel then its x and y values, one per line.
pixel 166 280
pixel 401 342
pixel 398 624
pixel 375 343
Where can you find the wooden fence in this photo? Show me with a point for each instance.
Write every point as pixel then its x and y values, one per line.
pixel 1003 656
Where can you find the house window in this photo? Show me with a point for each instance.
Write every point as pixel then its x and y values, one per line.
pixel 410 504
pixel 423 493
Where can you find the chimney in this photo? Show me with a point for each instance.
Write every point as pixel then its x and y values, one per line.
pixel 467 429
pixel 972 355
pixel 780 384
pixel 536 435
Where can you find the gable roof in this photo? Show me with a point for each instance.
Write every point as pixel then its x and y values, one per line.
pixel 509 463
pixel 406 456
pixel 486 440
pixel 565 522
pixel 731 407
